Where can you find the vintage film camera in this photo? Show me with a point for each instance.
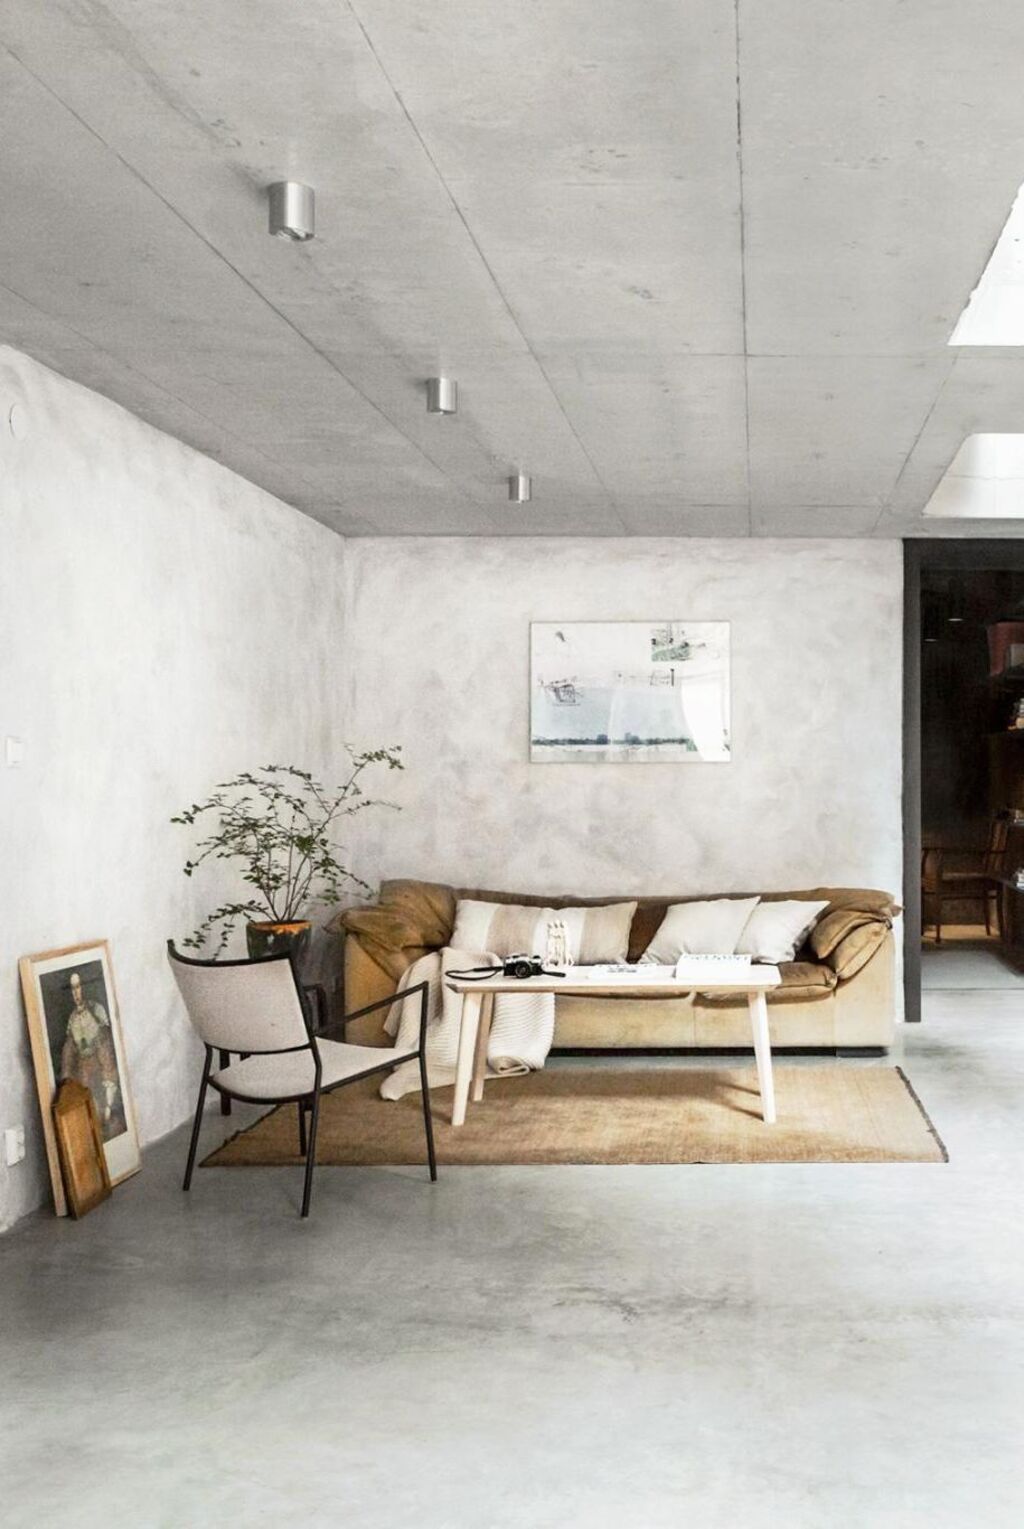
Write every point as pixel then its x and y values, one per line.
pixel 522 966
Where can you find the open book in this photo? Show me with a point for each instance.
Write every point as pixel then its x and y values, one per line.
pixel 712 969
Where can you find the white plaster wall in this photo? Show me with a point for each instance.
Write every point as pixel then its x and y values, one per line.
pixel 162 624
pixel 439 663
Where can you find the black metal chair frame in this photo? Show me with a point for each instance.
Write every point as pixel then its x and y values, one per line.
pixel 310 1101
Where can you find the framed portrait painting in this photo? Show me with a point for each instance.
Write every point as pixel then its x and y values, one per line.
pixel 75 1031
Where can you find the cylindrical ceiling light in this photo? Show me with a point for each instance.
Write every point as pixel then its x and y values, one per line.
pixel 520 488
pixel 292 210
pixel 442 395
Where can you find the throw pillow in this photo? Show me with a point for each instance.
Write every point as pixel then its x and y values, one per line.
pixel 856 949
pixel 700 929
pixel 777 930
pixel 832 928
pixel 504 929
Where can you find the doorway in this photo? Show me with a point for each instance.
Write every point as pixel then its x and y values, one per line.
pixel 963 766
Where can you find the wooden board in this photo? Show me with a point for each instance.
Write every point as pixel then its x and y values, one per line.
pixel 83 1162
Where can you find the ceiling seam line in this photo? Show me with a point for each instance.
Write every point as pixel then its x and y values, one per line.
pixel 250 285
pixel 887 506
pixel 482 257
pixel 743 271
pixel 168 392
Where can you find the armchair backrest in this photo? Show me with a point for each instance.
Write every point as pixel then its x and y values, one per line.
pixel 250 1006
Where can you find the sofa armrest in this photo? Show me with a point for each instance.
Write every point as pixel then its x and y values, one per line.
pixel 853 948
pixel 865 1002
pixel 377 925
pixel 370 977
pixel 409 915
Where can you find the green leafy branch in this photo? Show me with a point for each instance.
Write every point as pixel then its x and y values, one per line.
pixel 278 823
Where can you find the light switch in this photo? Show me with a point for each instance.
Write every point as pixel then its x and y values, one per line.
pixel 14 752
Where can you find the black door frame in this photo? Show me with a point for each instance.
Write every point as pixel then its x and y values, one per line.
pixel 956 555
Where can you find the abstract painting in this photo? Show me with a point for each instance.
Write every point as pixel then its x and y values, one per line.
pixel 629 691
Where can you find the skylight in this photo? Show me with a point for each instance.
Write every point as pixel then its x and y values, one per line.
pixel 995 309
pixel 984 481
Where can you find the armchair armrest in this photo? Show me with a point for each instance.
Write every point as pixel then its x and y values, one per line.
pixel 380 1003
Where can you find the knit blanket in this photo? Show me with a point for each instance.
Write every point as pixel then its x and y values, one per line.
pixel 521 1029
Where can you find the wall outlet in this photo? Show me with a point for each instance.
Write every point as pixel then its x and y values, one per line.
pixel 14 1145
pixel 14 753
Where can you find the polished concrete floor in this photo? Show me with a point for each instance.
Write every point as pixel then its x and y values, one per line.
pixel 967 963
pixel 615 1348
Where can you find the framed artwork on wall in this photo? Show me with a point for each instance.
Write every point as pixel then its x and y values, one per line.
pixel 75 1032
pixel 629 691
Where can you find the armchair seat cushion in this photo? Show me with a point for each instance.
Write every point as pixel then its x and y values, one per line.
pixel 287 1075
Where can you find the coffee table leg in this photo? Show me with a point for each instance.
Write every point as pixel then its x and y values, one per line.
pixel 763 1054
pixel 483 1036
pixel 468 1028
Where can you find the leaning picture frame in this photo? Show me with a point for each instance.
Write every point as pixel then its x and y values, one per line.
pixel 74 1028
pixel 80 1148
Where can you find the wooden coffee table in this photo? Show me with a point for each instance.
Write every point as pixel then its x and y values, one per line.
pixel 478 1007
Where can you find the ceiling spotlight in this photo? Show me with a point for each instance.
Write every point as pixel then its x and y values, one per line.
pixel 442 395
pixel 292 210
pixel 520 488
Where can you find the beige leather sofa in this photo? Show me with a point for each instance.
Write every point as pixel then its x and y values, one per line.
pixel 838 993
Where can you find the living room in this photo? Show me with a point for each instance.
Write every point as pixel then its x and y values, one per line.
pixel 602 368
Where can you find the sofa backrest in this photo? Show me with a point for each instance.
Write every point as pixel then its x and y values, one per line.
pixel 422 913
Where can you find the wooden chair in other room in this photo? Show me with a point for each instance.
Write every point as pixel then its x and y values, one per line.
pixel 943 883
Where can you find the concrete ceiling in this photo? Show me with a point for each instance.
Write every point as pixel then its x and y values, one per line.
pixel 693 262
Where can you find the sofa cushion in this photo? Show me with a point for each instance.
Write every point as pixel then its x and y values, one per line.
pixel 593 933
pixel 857 948
pixel 709 928
pixel 848 937
pixel 833 927
pixel 777 929
pixel 380 926
pixel 408 913
pixel 800 979
pixel 647 920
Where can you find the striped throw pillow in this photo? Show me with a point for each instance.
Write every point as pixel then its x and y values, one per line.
pixel 504 929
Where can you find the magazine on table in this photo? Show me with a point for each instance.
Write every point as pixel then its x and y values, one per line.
pixel 689 968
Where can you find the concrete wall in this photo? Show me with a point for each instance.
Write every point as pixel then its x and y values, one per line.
pixel 439 662
pixel 162 623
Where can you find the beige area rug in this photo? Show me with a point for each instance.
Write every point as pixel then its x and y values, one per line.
pixel 827 1114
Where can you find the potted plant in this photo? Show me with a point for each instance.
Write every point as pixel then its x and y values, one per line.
pixel 278 824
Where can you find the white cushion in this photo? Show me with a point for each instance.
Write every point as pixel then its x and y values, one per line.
pixel 700 929
pixel 279 1076
pixel 775 931
pixel 593 935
